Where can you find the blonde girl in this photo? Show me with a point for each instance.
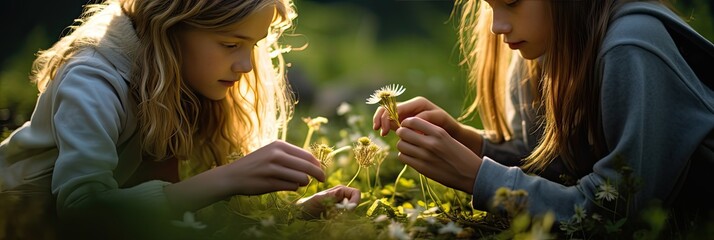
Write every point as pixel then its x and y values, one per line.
pixel 142 87
pixel 601 89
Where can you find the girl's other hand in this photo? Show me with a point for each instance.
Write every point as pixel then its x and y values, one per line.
pixel 314 205
pixel 278 166
pixel 416 107
pixel 430 150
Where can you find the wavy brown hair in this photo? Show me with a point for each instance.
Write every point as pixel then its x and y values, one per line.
pixel 566 85
pixel 174 121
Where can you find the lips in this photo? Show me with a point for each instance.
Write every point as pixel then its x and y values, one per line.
pixel 515 45
pixel 227 83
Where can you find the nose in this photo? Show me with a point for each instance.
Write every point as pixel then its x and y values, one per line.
pixel 500 23
pixel 243 63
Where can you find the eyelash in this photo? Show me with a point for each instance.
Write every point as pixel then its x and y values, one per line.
pixel 228 45
pixel 231 46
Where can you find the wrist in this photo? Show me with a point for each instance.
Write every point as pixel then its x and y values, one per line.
pixel 471 138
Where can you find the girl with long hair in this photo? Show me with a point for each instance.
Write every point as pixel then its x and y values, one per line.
pixel 599 91
pixel 140 90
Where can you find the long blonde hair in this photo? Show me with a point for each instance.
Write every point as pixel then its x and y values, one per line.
pixel 567 85
pixel 173 120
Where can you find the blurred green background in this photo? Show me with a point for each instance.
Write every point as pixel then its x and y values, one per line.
pixel 353 48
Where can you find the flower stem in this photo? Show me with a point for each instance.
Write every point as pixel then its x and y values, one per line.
pixel 396 182
pixel 307 138
pixel 353 178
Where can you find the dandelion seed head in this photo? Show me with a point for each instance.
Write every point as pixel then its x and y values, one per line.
pixel 365 151
pixel 364 141
pixel 323 153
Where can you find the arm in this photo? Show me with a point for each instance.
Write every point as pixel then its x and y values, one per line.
pixel 88 118
pixel 637 87
pixel 277 166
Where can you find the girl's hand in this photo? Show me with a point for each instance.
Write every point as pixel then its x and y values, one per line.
pixel 313 206
pixel 277 166
pixel 416 107
pixel 430 150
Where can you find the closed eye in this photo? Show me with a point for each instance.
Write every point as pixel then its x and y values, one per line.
pixel 230 45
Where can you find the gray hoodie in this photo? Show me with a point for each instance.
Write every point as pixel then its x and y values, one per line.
pixel 657 108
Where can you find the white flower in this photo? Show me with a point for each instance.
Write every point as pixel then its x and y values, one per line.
pixel 253 231
pixel 431 220
pixel 315 123
pixel 268 222
pixel 450 227
pixel 580 213
pixel 344 108
pixel 189 221
pixel 385 92
pixel 607 192
pixel 413 213
pixel 346 204
pixel 381 218
pixel 431 210
pixel 396 231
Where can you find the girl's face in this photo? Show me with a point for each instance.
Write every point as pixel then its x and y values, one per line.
pixel 526 25
pixel 214 61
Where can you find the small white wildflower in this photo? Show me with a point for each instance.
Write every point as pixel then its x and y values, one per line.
pixel 396 231
pixel 450 227
pixel 189 221
pixel 431 210
pixel 386 97
pixel 344 108
pixel 268 222
pixel 345 204
pixel 381 218
pixel 253 231
pixel 580 213
pixel 354 120
pixel 315 123
pixel 385 92
pixel 413 213
pixel 607 192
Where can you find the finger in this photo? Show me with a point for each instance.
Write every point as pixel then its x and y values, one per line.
pixel 413 162
pixel 291 175
pixel 423 126
pixel 298 152
pixel 340 192
pixel 386 123
pixel 353 194
pixel 301 160
pixel 413 150
pixel 303 167
pixel 283 185
pixel 377 118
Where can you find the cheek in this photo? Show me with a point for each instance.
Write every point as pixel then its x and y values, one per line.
pixel 201 64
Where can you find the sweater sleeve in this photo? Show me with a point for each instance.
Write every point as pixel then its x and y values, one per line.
pixel 87 122
pixel 653 118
